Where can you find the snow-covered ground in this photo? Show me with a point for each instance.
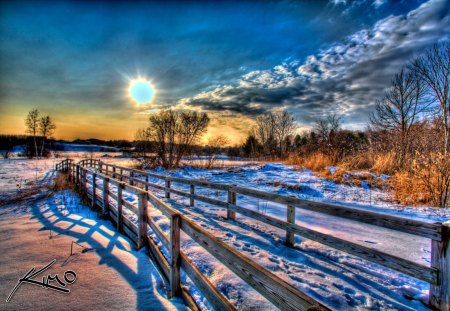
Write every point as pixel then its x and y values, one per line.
pixel 337 279
pixel 111 275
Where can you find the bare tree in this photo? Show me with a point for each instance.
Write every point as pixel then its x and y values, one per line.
pixel 191 125
pixel 32 126
pixel 46 128
pixel 272 129
pixel 143 136
pixel 175 133
pixel 434 69
pixel 284 127
pixel 214 145
pixel 327 128
pixel 400 109
pixel 264 131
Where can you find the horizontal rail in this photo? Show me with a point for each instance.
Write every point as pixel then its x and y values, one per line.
pixel 270 286
pixel 429 230
pixel 396 263
pixel 274 289
pixel 432 231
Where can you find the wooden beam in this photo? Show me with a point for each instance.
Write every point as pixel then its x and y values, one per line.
pixel 396 263
pixel 440 259
pixel 142 219
pixel 290 236
pixel 212 295
pixel 415 227
pixel 175 244
pixel 274 289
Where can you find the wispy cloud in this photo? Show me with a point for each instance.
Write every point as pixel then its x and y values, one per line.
pixel 344 78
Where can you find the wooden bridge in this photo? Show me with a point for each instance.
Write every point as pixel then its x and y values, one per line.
pixel 87 173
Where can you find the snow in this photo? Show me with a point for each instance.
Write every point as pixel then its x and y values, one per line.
pixel 339 280
pixel 111 274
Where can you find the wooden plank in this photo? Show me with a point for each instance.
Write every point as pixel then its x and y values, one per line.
pixel 277 291
pixel 159 233
pixel 159 204
pixel 175 244
pixel 214 297
pixel 231 214
pixel 202 183
pixel 130 206
pixel 105 193
pixel 198 197
pixel 415 227
pixel 130 234
pixel 192 193
pixel 130 225
pixel 411 268
pixel 188 300
pixel 290 236
pixel 142 219
pixel 156 186
pixel 159 257
pixel 167 193
pixel 119 208
pixel 439 297
pixel 94 194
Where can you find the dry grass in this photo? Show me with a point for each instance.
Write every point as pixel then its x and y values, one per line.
pixel 384 163
pixel 360 161
pixel 316 161
pixel 353 178
pixel 62 182
pixel 406 189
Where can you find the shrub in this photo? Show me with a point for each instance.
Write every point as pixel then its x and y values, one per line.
pixel 433 170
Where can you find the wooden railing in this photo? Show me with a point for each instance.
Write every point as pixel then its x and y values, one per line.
pixel 274 289
pixel 437 274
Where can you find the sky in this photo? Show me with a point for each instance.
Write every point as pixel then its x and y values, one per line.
pixel 75 60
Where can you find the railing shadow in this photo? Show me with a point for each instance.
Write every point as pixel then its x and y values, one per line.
pixel 50 213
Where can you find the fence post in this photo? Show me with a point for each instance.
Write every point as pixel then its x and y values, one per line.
pixel 290 236
pixel 191 200
pixel 231 200
pixel 440 259
pixel 121 174
pixel 83 185
pixel 106 196
pixel 94 177
pixel 114 172
pixel 168 187
pixel 99 166
pixel 131 178
pixel 175 259
pixel 120 187
pixel 142 219
pixel 77 175
pixel 146 182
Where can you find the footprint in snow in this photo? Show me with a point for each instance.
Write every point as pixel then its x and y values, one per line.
pixel 370 242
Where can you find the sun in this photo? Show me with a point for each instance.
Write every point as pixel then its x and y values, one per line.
pixel 141 91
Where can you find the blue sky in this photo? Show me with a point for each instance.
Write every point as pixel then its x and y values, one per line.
pixel 234 60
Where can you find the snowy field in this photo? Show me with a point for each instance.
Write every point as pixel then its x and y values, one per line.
pixel 111 275
pixel 339 280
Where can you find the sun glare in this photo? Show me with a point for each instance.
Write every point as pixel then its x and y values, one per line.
pixel 141 91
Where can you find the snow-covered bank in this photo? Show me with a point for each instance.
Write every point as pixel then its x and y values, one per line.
pixel 337 279
pixel 111 275
pixel 304 184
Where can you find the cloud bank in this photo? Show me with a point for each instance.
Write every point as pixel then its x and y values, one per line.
pixel 344 78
